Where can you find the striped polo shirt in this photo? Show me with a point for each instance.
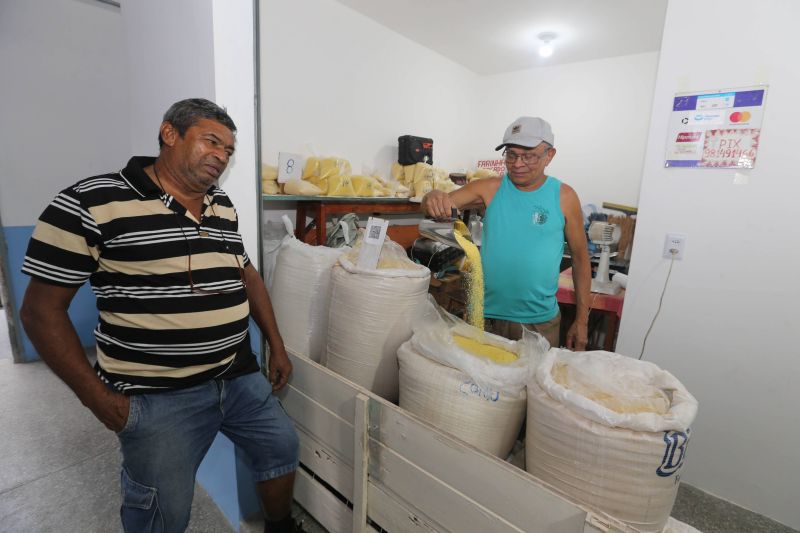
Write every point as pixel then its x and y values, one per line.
pixel 173 310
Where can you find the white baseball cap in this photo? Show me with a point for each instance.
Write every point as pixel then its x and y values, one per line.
pixel 528 132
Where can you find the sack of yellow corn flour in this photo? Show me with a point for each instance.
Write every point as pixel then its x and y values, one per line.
pixel 312 168
pixel 301 188
pixel 467 382
pixel 269 180
pixel 340 185
pixel 493 362
pixel 334 166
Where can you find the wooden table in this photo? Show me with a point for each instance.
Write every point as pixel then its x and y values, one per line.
pixel 608 304
pixel 319 208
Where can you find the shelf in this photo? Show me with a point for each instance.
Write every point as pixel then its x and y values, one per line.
pixel 334 199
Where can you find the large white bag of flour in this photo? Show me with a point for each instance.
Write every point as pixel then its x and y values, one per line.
pixel 301 295
pixel 370 317
pixel 273 235
pixel 609 431
pixel 451 378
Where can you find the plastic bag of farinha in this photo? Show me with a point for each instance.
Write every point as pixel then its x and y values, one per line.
pixel 491 361
pixel 340 185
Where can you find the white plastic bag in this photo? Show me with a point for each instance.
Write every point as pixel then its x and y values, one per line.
pixel 301 295
pixel 433 338
pixel 619 376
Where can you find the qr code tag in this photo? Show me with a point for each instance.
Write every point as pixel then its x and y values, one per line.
pixel 376 230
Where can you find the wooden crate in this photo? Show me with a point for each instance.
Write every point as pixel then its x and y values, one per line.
pixel 368 463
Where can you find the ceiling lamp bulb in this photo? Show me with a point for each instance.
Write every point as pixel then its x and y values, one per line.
pixel 546 49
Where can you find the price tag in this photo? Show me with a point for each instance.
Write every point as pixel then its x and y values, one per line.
pixel 374 236
pixel 376 231
pixel 290 167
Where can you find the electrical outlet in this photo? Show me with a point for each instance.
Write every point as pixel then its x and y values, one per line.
pixel 674 244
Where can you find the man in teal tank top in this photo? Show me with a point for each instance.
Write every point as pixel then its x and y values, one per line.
pixel 528 216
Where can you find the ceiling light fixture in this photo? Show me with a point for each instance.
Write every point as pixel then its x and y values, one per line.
pixel 546 49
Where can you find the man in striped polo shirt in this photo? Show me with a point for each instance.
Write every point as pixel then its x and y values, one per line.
pixel 159 243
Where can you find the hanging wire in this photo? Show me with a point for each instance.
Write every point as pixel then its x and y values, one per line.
pixel 660 301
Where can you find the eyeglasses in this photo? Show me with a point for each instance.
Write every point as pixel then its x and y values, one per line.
pixel 216 287
pixel 528 158
pixel 222 287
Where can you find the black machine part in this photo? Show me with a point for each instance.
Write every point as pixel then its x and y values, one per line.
pixel 434 254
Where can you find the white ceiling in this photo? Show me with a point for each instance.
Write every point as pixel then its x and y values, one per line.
pixel 491 37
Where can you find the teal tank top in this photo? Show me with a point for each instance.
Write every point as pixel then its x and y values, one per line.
pixel 521 249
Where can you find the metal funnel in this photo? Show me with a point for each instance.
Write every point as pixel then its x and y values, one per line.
pixel 438 231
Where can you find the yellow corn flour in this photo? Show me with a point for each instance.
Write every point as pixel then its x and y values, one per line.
pixel 474 285
pixel 498 355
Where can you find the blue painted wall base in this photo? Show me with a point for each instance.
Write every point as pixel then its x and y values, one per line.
pixel 82 311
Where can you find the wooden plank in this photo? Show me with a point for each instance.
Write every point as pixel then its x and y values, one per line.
pixel 444 504
pixel 491 483
pixel 601 524
pixel 326 464
pixel 321 423
pixel 360 467
pixel 332 513
pixel 334 392
pixel 387 511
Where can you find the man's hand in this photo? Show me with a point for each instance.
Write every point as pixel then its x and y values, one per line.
pixel 279 368
pixel 112 410
pixel 577 336
pixel 438 205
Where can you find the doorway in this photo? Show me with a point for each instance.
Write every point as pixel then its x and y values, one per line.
pixel 7 319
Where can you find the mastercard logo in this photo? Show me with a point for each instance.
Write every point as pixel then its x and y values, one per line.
pixel 740 116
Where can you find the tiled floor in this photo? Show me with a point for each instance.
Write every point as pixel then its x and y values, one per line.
pixel 59 469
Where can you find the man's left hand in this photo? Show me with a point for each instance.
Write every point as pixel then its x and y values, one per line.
pixel 577 336
pixel 279 368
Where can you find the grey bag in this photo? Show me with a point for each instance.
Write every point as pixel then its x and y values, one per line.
pixel 344 232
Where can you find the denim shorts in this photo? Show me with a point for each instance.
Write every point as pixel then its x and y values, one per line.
pixel 168 434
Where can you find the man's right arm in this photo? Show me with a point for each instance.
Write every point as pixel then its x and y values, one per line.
pixel 45 319
pixel 475 194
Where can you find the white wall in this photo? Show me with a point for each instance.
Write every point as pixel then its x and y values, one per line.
pixel 170 53
pixel 196 49
pixel 729 319
pixel 64 100
pixel 234 83
pixel 599 112
pixel 345 85
pixel 339 83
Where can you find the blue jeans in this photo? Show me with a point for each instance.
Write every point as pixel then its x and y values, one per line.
pixel 168 433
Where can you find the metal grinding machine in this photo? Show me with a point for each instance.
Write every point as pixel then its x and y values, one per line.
pixel 604 235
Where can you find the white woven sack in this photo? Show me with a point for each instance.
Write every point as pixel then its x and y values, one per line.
pixel 450 400
pixel 370 317
pixel 630 474
pixel 273 236
pixel 301 296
